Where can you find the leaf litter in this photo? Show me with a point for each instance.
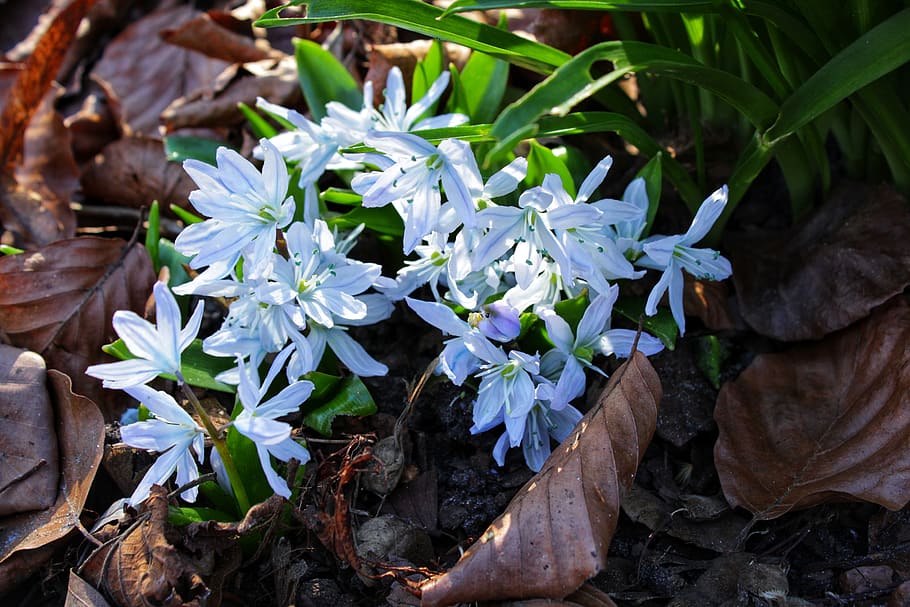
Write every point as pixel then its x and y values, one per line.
pixel 683 537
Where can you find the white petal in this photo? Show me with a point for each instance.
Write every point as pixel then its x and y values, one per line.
pixel 594 179
pixel 706 216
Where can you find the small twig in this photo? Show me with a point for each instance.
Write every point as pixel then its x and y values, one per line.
pixel 210 476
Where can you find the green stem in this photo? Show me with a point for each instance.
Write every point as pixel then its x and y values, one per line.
pixel 220 445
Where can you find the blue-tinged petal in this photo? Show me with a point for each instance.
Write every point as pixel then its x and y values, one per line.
pixel 706 216
pixel 501 449
pixel 457 362
pixel 261 430
pixel 125 373
pixel 483 348
pixel 153 435
pixel 675 289
pixel 658 291
pixel 571 384
pixel 158 474
pixel 563 422
pixel 704 264
pixel 440 122
pixel 440 316
pixel 594 179
pixel 287 401
pixel 423 105
pixel 379 308
pixel 274 173
pixel 660 250
pixel 161 404
pixel 596 316
pixel 278 484
pixel 187 472
pixel 237 174
pixel 490 398
pixel 167 317
pixel 139 335
pixel 515 428
pixel 619 342
pixel 558 330
pixel 353 355
pixel 394 108
pixel 572 216
pixel 403 145
pixel 290 449
pixel 552 184
pixel 189 332
pixel 292 116
pixel 506 180
pixel 521 395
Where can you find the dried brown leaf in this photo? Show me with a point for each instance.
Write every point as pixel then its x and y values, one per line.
pixel 828 272
pixel 555 533
pixel 80 593
pixel 145 74
pixel 133 172
pixel 206 35
pixel 273 80
pixel 823 421
pixel 154 564
pixel 80 438
pixel 34 80
pixel 28 443
pixel 58 301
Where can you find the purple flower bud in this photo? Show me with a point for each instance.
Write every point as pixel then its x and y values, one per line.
pixel 500 322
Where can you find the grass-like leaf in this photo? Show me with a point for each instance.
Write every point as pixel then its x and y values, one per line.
pixel 424 19
pixel 323 78
pixel 673 6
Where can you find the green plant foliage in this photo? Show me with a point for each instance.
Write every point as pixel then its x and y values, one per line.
pixel 541 161
pixel 180 148
pixel 673 6
pixel 323 78
pixel 261 127
pixel 417 16
pixel 349 397
pixel 427 71
pixel 661 325
pixel 153 235
pixel 710 358
pixel 382 220
pixel 488 78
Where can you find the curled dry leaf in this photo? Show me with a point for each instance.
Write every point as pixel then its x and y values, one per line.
pixel 134 172
pixel 145 74
pixel 80 593
pixel 155 564
pixel 34 80
pixel 58 301
pixel 828 272
pixel 208 36
pixel 28 442
pixel 555 533
pixel 80 438
pixel 827 421
pixel 270 79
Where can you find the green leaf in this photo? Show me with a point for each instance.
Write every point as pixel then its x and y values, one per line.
pixel 571 310
pixel 458 100
pixel 185 215
pixel 661 325
pixel 323 385
pixel 541 161
pixel 427 71
pixel 246 459
pixel 180 148
pixel 153 234
pixel 651 173
pixel 673 6
pixel 382 220
pixel 484 79
pixel 710 357
pixel 198 368
pixel 350 398
pixel 881 50
pixel 6 249
pixel 423 18
pixel 184 515
pixel 261 127
pixel 573 82
pixel 323 78
pixel 348 198
pixel 174 261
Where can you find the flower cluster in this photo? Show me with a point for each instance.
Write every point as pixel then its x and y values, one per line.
pixel 523 281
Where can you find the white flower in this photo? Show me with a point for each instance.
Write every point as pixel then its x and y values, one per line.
pixel 412 182
pixel 245 208
pixel 173 434
pixel 315 282
pixel 157 348
pixel 673 254
pixel 258 420
pixel 456 360
pixel 542 424
pixel 394 116
pixel 572 354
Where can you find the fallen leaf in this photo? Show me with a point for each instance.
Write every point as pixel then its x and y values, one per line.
pixel 206 35
pixel 828 272
pixel 270 79
pixel 28 443
pixel 58 301
pixel 80 437
pixel 91 128
pixel 555 533
pixel 80 593
pixel 822 421
pixel 144 74
pixel 156 564
pixel 26 218
pixel 133 172
pixel 707 300
pixel 34 80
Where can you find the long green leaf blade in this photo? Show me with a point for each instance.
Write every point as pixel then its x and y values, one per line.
pixel 323 78
pixel 672 6
pixel 881 50
pixel 424 19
